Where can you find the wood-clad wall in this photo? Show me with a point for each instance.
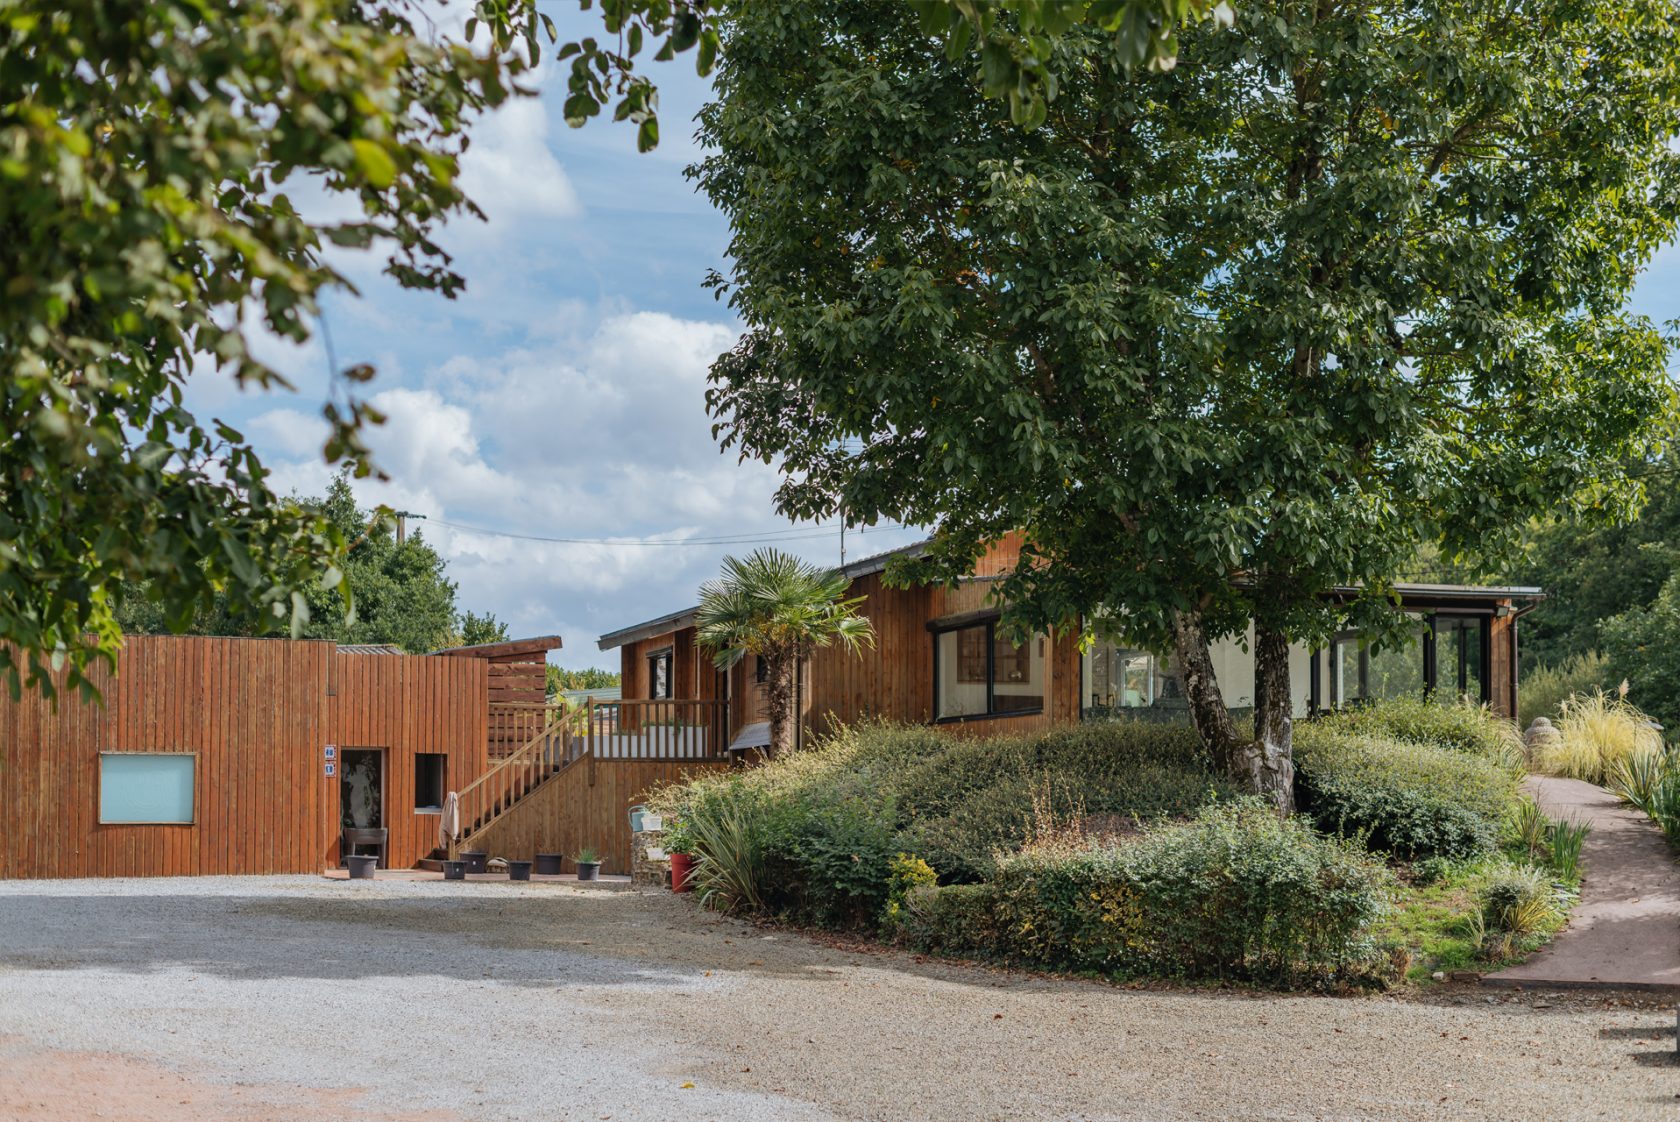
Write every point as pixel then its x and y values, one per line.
pixel 894 680
pixel 250 710
pixel 1502 665
pixel 588 803
pixel 256 714
pixel 406 705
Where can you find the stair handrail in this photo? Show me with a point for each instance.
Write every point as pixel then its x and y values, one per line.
pixel 499 786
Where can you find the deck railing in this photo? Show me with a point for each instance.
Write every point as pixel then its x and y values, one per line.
pixel 670 729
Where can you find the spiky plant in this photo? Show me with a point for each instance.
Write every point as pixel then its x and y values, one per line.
pixel 773 605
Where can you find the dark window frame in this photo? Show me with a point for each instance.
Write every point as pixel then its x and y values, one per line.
pixel 667 655
pixel 992 712
pixel 439 760
pixel 1434 623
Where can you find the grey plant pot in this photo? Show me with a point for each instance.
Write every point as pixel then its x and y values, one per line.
pixel 454 870
pixel 547 864
pixel 588 870
pixel 519 870
pixel 475 859
pixel 361 866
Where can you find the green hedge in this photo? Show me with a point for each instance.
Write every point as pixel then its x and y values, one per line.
pixel 1472 729
pixel 1236 893
pixel 1414 800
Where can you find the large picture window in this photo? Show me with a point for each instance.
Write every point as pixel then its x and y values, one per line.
pixel 980 673
pixel 1445 658
pixel 146 788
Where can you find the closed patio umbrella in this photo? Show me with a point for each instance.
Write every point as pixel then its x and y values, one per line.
pixel 449 823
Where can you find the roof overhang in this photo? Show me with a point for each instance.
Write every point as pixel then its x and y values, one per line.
pixel 540 644
pixel 663 625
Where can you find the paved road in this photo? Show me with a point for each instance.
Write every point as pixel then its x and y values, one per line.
pixel 1626 930
pixel 288 999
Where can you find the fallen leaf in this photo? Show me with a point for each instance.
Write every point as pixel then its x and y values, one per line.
pixel 688 1086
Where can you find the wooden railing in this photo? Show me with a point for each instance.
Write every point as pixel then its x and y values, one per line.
pixel 556 736
pixel 660 730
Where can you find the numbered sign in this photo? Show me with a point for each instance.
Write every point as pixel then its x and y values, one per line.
pixel 332 769
pixel 331 752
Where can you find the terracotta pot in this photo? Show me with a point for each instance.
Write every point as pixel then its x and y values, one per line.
pixel 361 865
pixel 547 864
pixel 454 870
pixel 519 870
pixel 682 867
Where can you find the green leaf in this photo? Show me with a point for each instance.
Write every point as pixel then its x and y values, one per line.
pixel 376 163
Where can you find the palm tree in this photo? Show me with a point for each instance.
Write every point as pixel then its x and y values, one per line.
pixel 779 608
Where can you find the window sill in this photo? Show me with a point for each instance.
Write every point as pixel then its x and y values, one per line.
pixel 989 716
pixel 428 810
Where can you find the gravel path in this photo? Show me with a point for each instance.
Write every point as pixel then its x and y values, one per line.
pixel 280 999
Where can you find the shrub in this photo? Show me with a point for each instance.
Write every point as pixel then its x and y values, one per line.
pixel 907 875
pixel 1598 731
pixel 1237 892
pixel 959 920
pixel 1414 800
pixel 1544 689
pixel 1473 729
pixel 1516 903
pixel 1563 848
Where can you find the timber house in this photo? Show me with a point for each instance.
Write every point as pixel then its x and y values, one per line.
pixel 937 659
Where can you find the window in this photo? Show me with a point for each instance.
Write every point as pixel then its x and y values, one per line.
pixel 659 674
pixel 1461 658
pixel 429 773
pixel 146 787
pixel 979 673
pixel 1444 657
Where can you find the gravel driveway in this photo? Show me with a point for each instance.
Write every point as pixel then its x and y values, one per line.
pixel 284 999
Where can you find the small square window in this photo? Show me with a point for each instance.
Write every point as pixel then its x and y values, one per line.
pixel 430 770
pixel 146 788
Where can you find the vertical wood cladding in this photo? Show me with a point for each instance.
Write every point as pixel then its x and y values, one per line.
pixel 256 714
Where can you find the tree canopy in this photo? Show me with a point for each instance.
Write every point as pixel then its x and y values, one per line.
pixel 1349 280
pixel 148 158
pixel 400 593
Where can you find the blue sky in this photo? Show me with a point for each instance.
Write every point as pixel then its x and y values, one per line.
pixel 562 395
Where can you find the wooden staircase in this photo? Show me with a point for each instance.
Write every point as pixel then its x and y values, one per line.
pixel 557 739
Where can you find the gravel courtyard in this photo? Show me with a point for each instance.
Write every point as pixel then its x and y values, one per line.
pixel 285 999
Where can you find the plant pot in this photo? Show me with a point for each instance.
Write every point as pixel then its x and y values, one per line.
pixel 682 867
pixel 361 866
pixel 547 864
pixel 588 870
pixel 475 859
pixel 454 870
pixel 519 870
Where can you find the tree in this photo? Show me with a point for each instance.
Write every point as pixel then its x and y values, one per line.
pixel 146 230
pixel 594 678
pixel 781 609
pixel 398 592
pixel 1345 283
pixel 1641 644
pixel 1014 39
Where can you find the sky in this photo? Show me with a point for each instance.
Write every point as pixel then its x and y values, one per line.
pixel 562 395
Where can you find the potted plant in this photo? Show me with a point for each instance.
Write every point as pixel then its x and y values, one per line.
pixel 679 844
pixel 588 863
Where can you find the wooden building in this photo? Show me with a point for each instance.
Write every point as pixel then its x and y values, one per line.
pixel 224 755
pixel 938 659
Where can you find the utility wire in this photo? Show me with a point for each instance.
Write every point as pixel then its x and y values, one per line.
pixel 799 533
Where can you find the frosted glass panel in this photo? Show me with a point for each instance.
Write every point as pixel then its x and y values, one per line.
pixel 142 787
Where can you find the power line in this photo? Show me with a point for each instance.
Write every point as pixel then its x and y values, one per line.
pixel 798 533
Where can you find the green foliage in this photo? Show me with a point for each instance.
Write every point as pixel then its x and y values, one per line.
pixel 588 855
pixel 401 593
pixel 1238 892
pixel 1473 729
pixel 1194 328
pixel 1544 689
pixel 1649 779
pixel 956 920
pixel 1517 903
pixel 147 157
pixel 1410 799
pixel 1016 52
pixel 561 678
pixel 727 840
pixel 908 874
pixel 1563 849
pixel 780 608
pixel 1641 644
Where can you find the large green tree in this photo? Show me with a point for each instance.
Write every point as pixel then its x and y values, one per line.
pixel 147 152
pixel 1345 283
pixel 393 592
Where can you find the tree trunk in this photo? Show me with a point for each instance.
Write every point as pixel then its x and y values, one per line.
pixel 1266 764
pixel 1262 764
pixel 778 700
pixel 1201 688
